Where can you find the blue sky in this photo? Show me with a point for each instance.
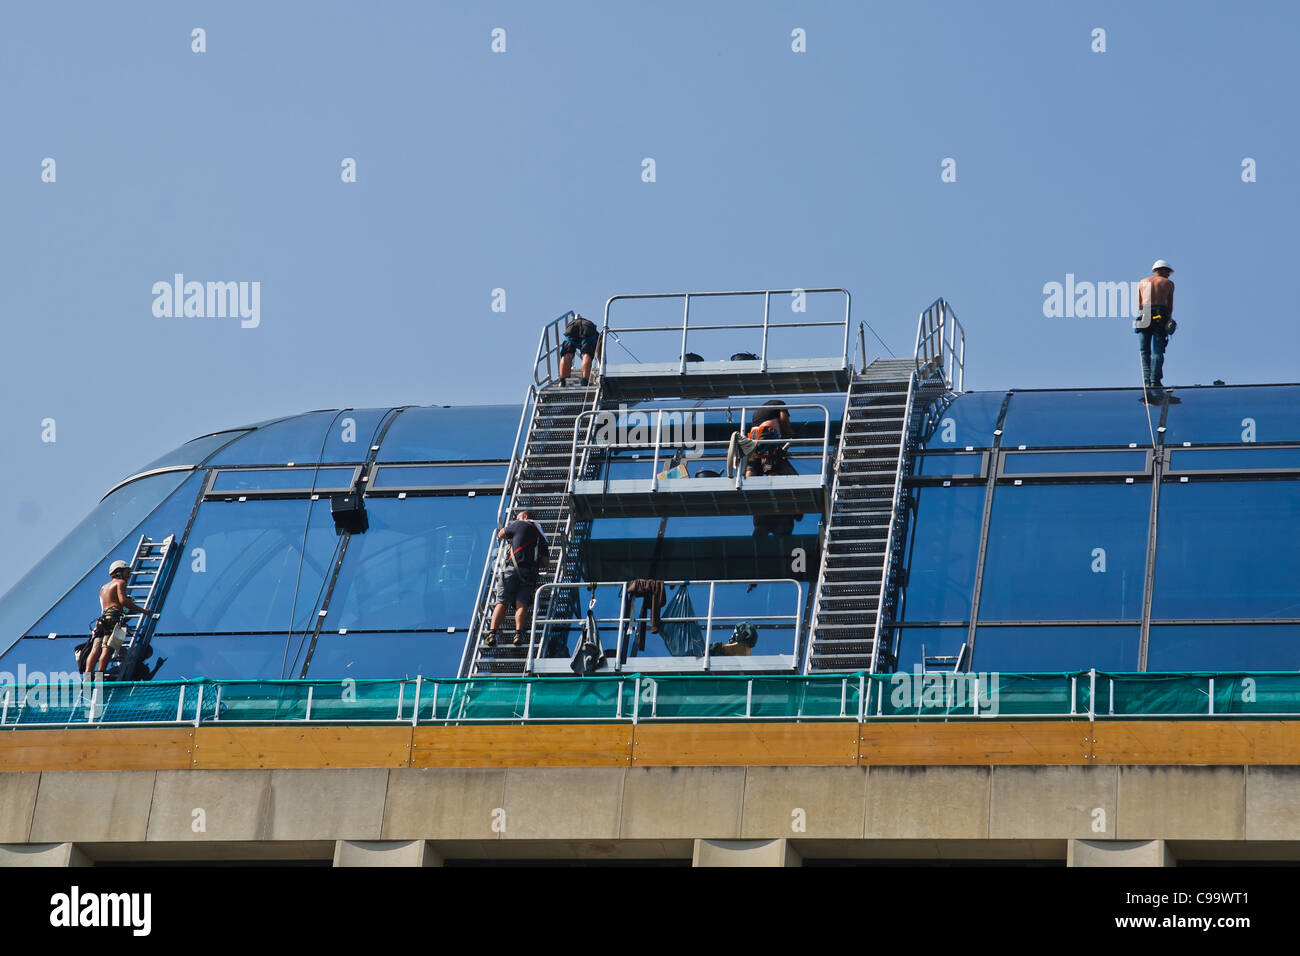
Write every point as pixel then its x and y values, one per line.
pixel 522 170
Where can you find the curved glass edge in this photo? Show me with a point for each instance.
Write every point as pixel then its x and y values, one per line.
pixel 81 549
pixel 194 452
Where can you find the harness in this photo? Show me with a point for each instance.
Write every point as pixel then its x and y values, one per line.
pixel 766 431
pixel 514 552
pixel 589 339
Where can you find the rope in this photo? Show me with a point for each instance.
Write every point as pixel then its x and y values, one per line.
pixel 1146 402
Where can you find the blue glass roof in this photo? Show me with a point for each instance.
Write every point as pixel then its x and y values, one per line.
pixel 1042 556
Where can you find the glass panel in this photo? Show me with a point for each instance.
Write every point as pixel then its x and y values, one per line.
pixel 1068 462
pixel 225 656
pixel 1231 459
pixel 1066 552
pixel 75 612
pixel 77 554
pixel 253 555
pixel 327 436
pixel 942 546
pixel 969 420
pixel 432 476
pixel 1227 549
pixel 1059 648
pixel 38 659
pixel 195 452
pixel 1223 414
pixel 452 434
pixel 943 466
pixel 1224 647
pixel 419 565
pixel 1055 419
pixel 284 479
pixel 387 655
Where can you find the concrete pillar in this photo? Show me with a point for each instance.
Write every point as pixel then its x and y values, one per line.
pixel 745 853
pixel 385 853
pixel 42 854
pixel 1118 853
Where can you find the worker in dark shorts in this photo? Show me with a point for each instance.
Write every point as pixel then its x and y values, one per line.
pixel 529 556
pixel 580 335
pixel 115 604
pixel 1155 324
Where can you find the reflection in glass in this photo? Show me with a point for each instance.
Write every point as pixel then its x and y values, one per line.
pixel 1224 647
pixel 419 565
pixel 1228 549
pixel 942 547
pixel 1066 552
pixel 243 562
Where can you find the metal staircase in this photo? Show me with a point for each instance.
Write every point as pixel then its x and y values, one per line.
pixel 885 411
pixel 541 487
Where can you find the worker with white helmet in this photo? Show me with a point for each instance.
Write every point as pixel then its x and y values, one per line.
pixel 115 605
pixel 1155 323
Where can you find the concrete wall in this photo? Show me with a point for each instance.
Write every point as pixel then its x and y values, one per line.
pixel 1089 815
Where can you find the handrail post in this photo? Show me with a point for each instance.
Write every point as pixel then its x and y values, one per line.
pixel 848 308
pixel 198 707
pixel 415 711
pixel 826 439
pixel 749 698
pixel 622 624
pixel 864 694
pixel 654 473
pixel 532 627
pixel 307 713
pixel 4 712
pixel 686 311
pixel 708 625
pixel 433 712
pixel 1092 694
pixel 180 705
pixel 636 700
pixel 767 301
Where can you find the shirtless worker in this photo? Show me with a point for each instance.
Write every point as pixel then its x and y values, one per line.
pixel 115 606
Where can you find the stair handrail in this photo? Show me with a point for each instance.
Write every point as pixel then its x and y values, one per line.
pixel 526 413
pixel 548 347
pixel 941 344
pixel 830 511
pixel 887 565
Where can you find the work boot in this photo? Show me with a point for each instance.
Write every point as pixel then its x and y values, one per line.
pixel 491 639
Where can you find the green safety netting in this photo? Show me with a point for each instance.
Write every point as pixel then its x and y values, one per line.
pixel 648 697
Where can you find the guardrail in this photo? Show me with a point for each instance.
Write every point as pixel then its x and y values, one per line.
pixel 679 421
pixel 711 621
pixel 548 350
pixel 639 697
pixel 941 345
pixel 686 327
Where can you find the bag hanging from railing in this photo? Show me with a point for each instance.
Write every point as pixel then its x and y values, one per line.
pixel 682 638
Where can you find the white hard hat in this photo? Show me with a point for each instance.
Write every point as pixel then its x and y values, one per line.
pixel 118 566
pixel 1161 264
